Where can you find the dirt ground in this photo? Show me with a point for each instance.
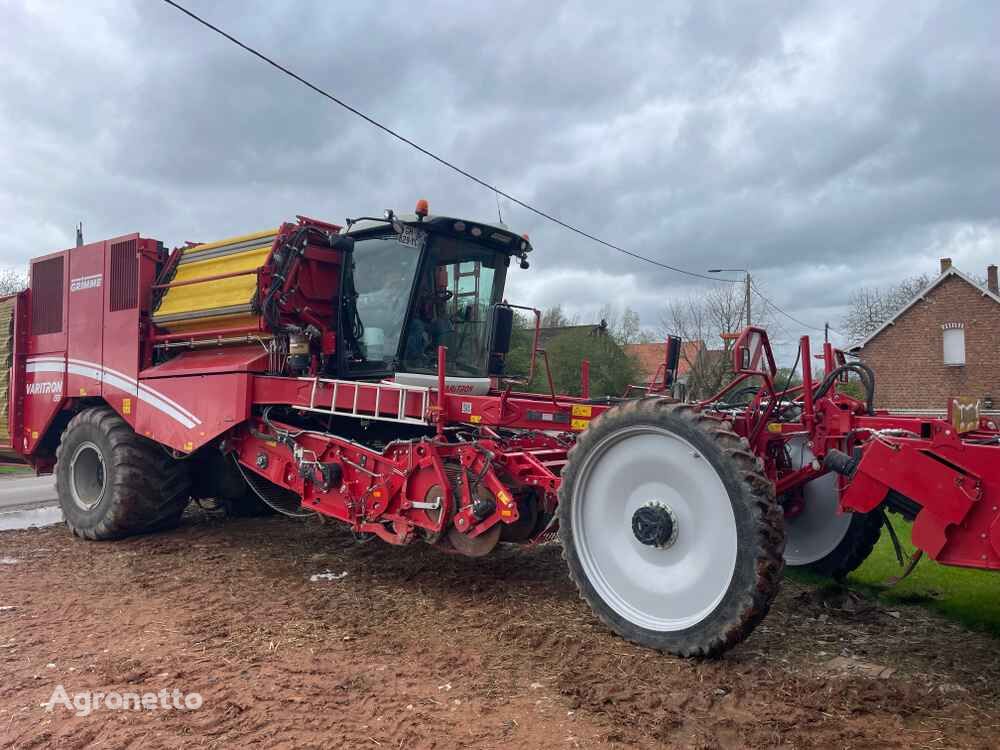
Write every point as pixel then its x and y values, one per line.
pixel 417 649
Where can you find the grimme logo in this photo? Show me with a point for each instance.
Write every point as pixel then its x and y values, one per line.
pixel 85 282
pixel 44 387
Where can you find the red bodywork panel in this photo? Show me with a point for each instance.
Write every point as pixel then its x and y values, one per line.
pixel 189 411
pixel 950 480
pixel 83 331
pixel 248 358
pixel 79 339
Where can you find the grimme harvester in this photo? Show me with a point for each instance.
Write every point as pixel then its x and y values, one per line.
pixel 359 373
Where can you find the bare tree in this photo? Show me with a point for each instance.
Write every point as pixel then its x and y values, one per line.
pixel 11 281
pixel 706 317
pixel 869 307
pixel 625 326
pixel 554 317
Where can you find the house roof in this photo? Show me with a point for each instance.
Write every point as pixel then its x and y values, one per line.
pixel 651 356
pixel 951 271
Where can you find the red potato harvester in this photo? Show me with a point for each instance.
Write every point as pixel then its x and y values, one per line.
pixel 360 373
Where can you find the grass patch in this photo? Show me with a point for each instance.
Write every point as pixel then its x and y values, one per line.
pixel 971 597
pixel 14 469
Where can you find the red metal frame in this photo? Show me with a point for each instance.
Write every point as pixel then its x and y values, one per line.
pixel 951 481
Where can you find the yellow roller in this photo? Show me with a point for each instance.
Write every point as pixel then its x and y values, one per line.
pixel 222 303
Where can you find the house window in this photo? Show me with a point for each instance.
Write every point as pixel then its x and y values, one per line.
pixel 954 344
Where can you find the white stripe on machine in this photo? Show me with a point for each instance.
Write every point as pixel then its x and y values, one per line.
pixel 118 380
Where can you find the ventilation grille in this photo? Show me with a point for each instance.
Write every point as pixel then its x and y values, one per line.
pixel 47 296
pixel 124 283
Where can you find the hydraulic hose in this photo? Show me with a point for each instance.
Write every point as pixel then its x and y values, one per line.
pixel 863 371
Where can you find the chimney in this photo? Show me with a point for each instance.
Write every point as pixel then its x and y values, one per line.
pixel 945 264
pixel 991 279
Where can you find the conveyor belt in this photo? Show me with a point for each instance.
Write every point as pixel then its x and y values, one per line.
pixel 222 303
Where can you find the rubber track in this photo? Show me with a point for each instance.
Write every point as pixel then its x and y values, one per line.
pixel 768 521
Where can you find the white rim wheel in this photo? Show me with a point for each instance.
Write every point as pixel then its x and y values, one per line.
pixel 645 473
pixel 815 532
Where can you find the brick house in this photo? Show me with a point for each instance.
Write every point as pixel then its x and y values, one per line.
pixel 943 343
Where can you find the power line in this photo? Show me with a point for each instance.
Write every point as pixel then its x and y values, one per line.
pixel 468 175
pixel 791 317
pixel 431 154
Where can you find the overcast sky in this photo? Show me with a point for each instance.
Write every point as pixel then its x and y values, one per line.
pixel 822 145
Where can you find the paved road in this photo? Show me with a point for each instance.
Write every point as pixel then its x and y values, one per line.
pixel 27 492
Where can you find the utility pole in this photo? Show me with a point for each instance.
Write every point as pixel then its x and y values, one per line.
pixel 747 283
pixel 748 299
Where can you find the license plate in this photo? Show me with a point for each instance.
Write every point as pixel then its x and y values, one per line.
pixel 411 236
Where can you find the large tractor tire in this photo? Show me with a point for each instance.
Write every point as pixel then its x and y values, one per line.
pixel 670 530
pixel 821 539
pixel 112 483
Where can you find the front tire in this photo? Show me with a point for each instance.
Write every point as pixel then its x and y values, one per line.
pixel 112 483
pixel 670 532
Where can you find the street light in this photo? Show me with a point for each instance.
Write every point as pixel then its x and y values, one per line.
pixel 747 282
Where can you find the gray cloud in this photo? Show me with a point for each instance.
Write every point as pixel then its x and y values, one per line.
pixel 824 145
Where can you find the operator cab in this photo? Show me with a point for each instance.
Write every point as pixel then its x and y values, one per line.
pixel 418 282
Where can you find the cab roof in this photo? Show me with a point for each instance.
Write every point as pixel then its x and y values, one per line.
pixel 500 234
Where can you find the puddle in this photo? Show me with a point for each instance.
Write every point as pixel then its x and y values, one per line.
pixel 24 519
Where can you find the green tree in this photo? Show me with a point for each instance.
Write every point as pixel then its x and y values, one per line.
pixel 611 369
pixel 852 387
pixel 522 337
pixel 786 375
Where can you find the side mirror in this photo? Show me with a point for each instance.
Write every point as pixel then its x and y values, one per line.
pixel 744 357
pixel 672 360
pixel 501 330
